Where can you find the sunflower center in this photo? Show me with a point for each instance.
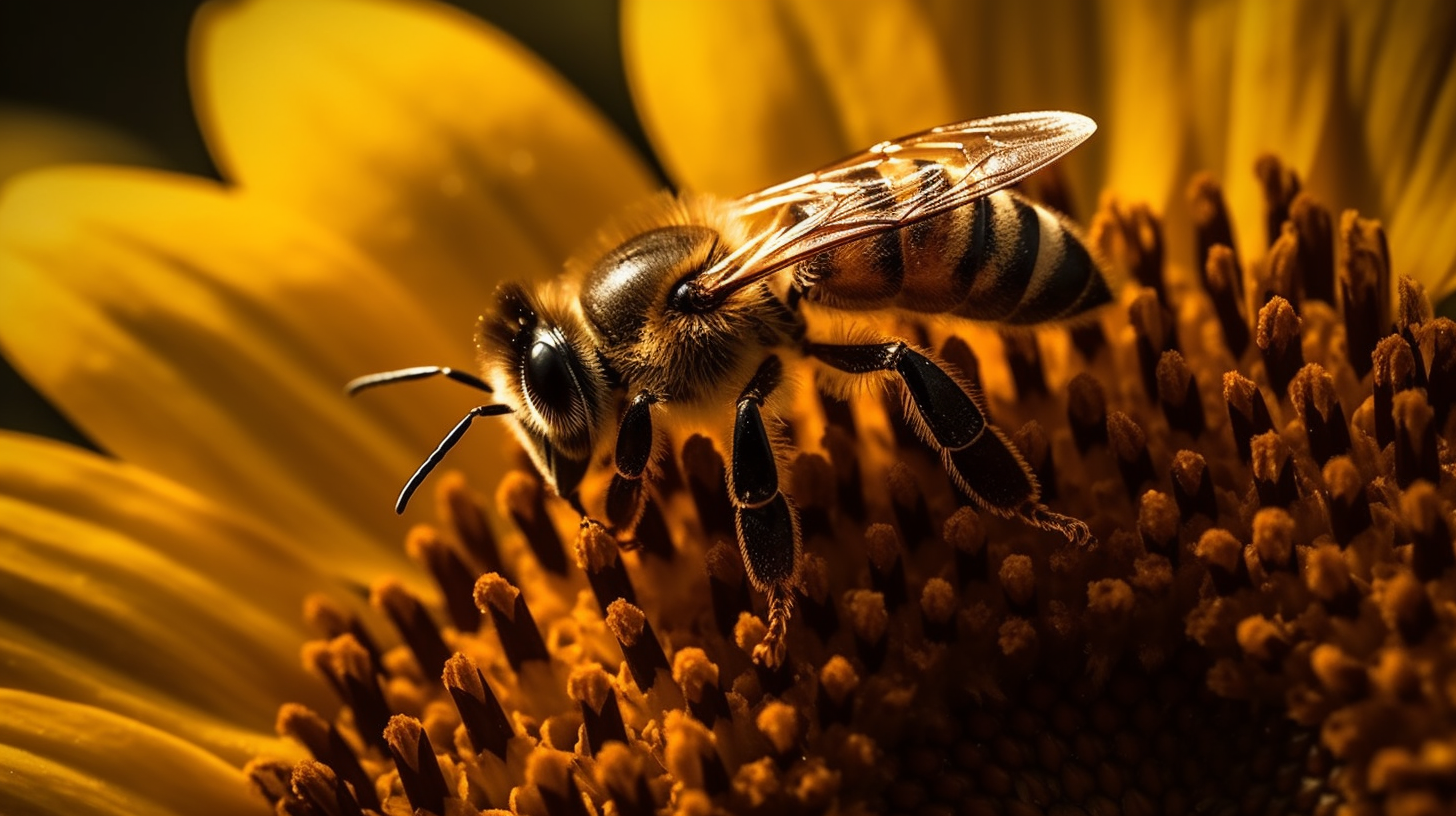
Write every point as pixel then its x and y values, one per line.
pixel 1262 450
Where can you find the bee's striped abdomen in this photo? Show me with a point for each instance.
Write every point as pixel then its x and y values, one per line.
pixel 1032 269
pixel 999 258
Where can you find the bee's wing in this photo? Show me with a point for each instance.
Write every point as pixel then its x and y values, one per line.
pixel 890 185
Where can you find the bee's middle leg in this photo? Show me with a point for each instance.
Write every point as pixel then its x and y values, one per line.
pixel 768 527
pixel 951 419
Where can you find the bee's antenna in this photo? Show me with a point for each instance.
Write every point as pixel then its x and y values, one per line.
pixel 445 444
pixel 358 384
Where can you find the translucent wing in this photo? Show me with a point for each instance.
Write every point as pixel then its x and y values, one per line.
pixel 886 187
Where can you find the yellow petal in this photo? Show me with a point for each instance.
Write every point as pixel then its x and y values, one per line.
pixel 1402 55
pixel 738 96
pixel 436 143
pixel 31 138
pixel 43 668
pixel 1357 99
pixel 1286 74
pixel 206 336
pixel 1422 224
pixel 174 521
pixel 1149 108
pixel 1032 55
pixel 1036 55
pixel 1211 30
pixel 67 759
pixel 122 590
pixel 1406 88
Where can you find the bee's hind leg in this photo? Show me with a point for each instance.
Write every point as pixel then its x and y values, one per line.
pixel 950 418
pixel 768 526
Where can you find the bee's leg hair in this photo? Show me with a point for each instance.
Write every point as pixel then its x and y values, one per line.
pixel 980 460
pixel 768 526
pixel 626 496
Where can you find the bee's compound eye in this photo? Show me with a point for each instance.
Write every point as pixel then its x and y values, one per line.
pixel 548 377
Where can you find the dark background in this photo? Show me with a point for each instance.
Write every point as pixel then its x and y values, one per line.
pixel 125 64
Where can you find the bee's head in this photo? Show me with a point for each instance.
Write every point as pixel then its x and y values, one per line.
pixel 541 360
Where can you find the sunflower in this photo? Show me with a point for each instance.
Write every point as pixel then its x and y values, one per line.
pixel 1265 624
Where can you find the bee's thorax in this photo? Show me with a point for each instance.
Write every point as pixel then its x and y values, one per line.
pixel 620 292
pixel 656 344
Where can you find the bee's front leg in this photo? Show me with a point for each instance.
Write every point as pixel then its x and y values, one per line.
pixel 625 496
pixel 598 546
pixel 768 527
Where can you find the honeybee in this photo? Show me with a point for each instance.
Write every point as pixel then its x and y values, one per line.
pixel 704 301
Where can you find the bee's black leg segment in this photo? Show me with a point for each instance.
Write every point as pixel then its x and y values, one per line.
pixel 625 502
pixel 768 526
pixel 978 457
pixel 443 448
pixel 753 477
pixel 951 415
pixel 625 496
